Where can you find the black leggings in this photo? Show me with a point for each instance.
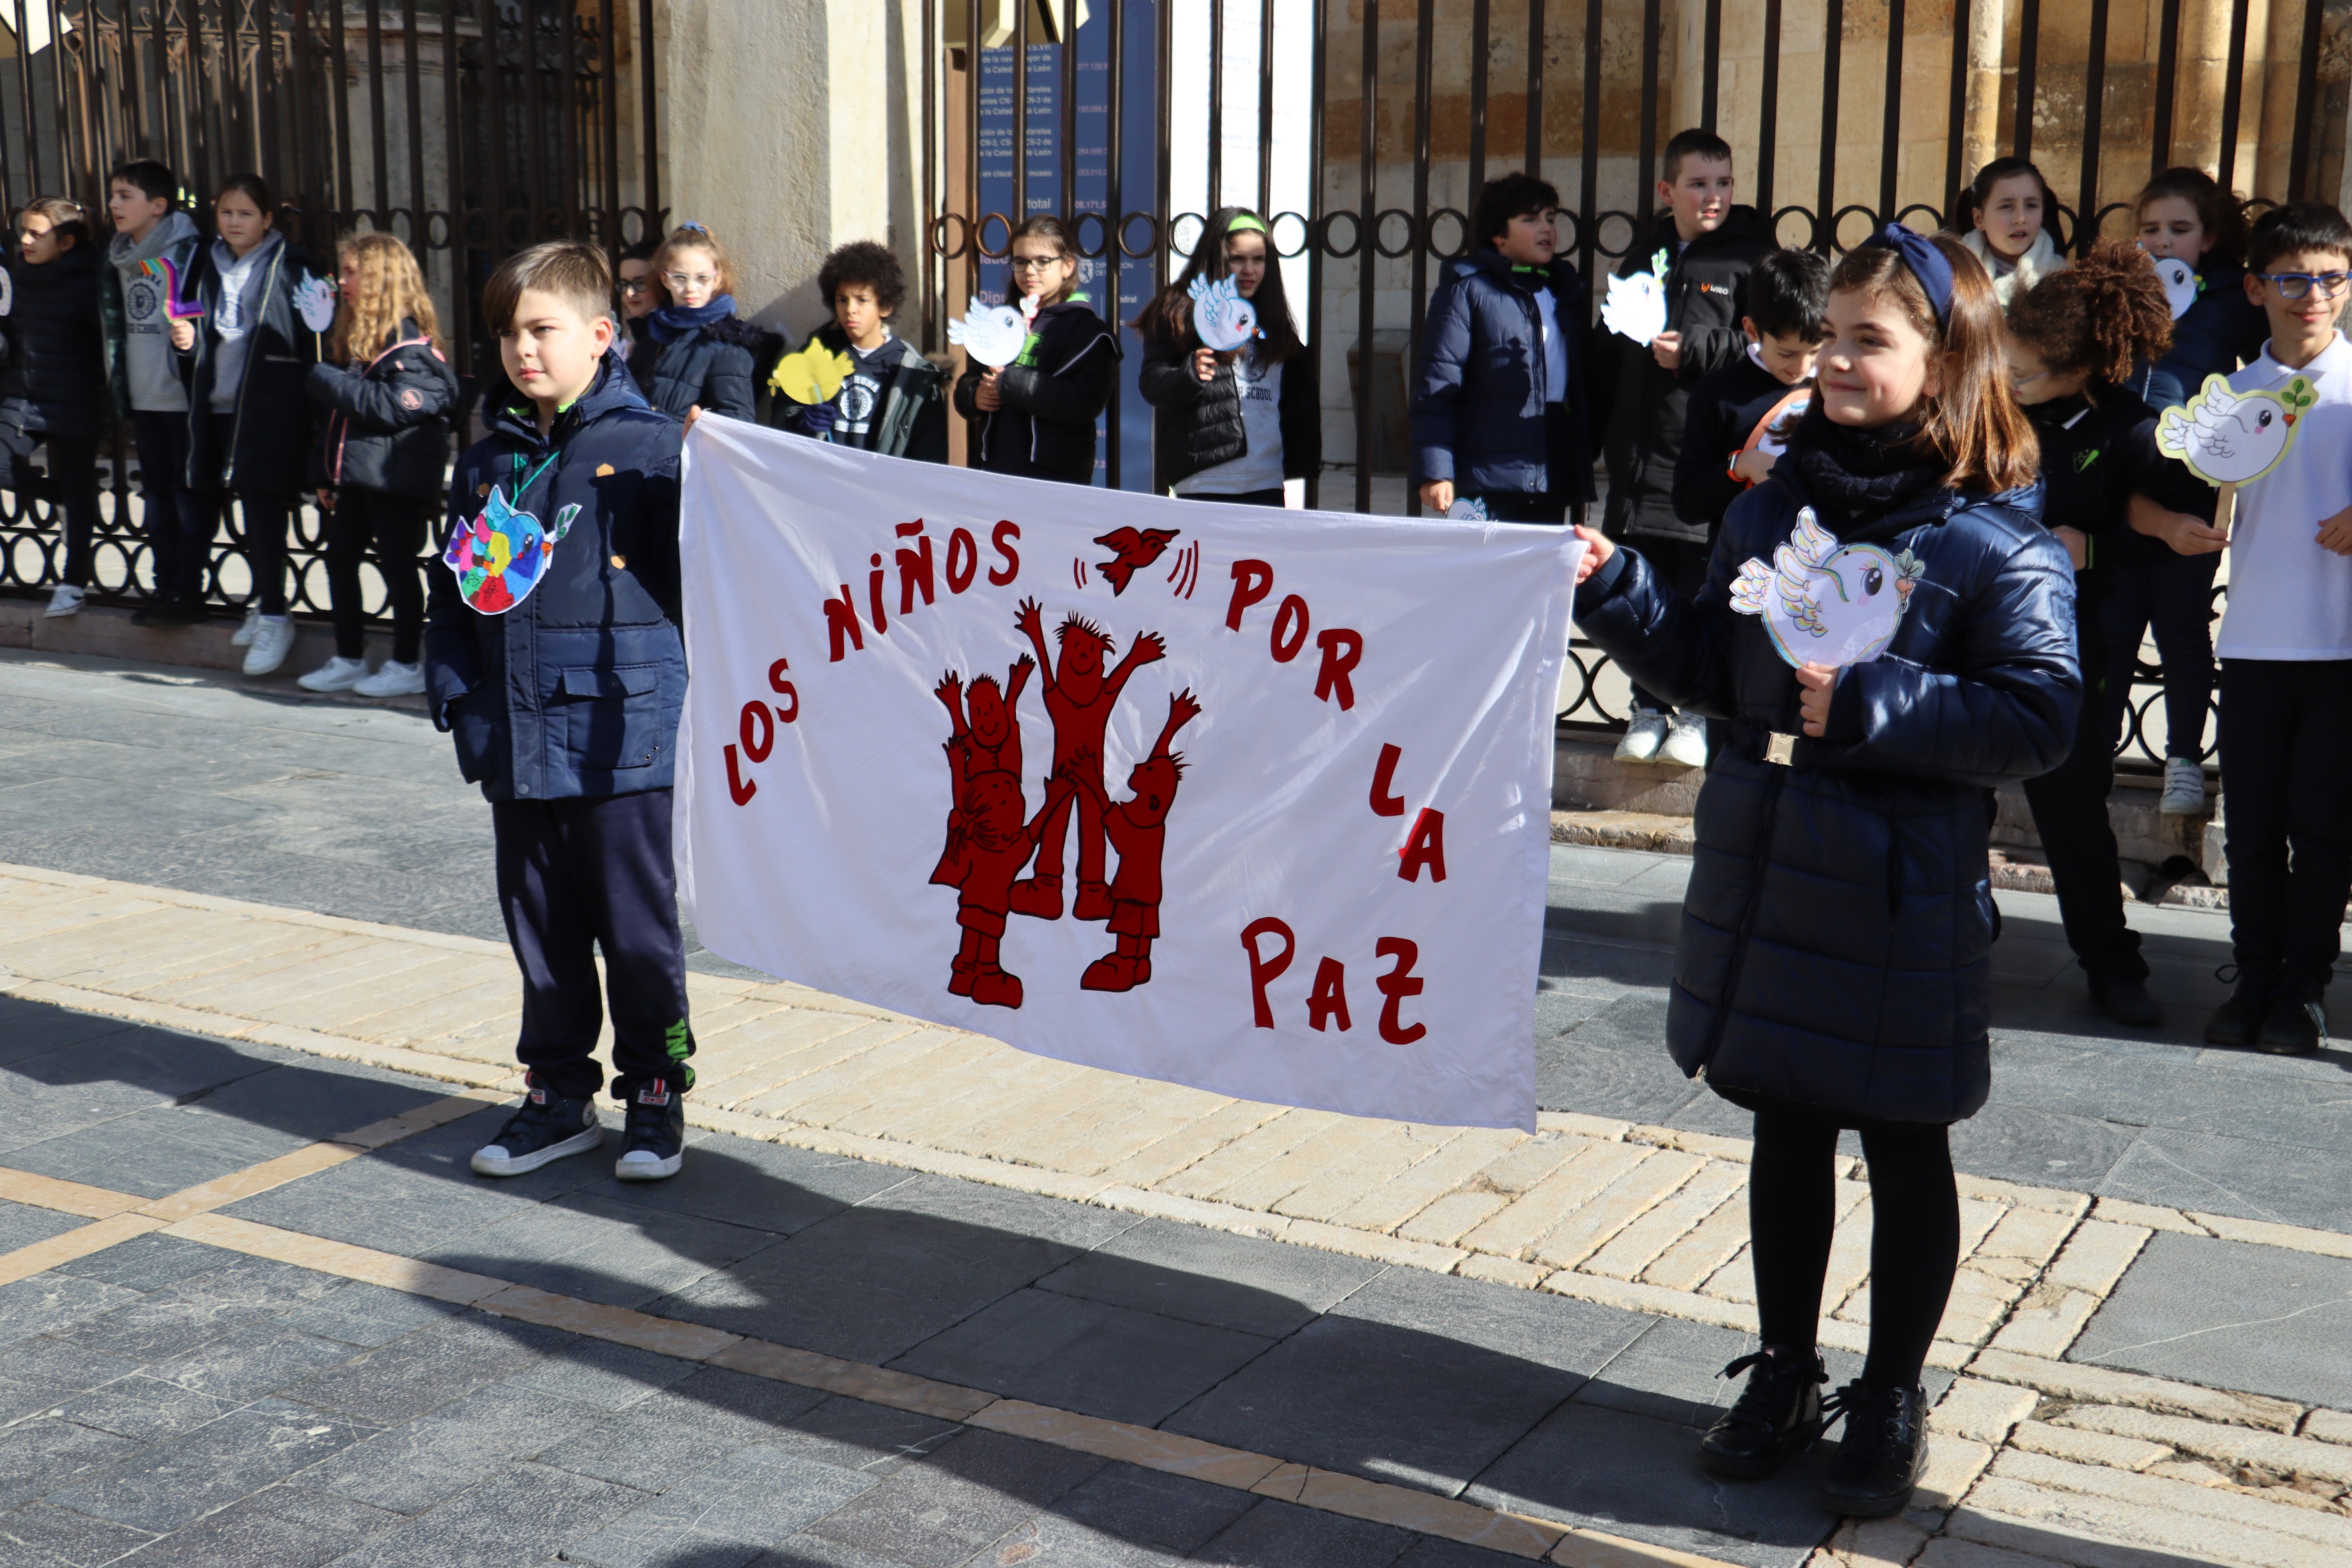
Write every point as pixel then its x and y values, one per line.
pixel 393 526
pixel 1915 1236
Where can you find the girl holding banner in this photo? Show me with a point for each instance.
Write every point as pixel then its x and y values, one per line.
pixel 1890 631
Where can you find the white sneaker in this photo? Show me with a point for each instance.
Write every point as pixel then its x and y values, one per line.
pixel 273 639
pixel 1643 737
pixel 1685 742
pixel 64 599
pixel 244 637
pixel 393 680
pixel 2184 788
pixel 338 674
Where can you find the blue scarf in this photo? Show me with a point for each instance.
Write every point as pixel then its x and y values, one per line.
pixel 675 321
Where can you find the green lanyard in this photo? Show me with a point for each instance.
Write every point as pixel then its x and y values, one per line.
pixel 523 487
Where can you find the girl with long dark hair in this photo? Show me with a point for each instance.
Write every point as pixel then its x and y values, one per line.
pixel 1230 426
pixel 1035 417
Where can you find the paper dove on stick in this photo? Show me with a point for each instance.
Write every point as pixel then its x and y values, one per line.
pixel 1635 307
pixel 1826 603
pixel 2180 286
pixel 1224 320
pixel 994 335
pixel 2233 437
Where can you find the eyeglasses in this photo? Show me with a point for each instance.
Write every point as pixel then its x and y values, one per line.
pixel 2022 382
pixel 635 285
pixel 1036 263
pixel 2296 285
pixel 689 280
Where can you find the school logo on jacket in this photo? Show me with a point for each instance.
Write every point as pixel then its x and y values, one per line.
pixel 500 556
pixel 1826 603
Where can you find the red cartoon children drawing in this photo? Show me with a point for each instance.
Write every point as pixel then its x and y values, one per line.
pixel 990 744
pixel 995 845
pixel 1138 829
pixel 1078 699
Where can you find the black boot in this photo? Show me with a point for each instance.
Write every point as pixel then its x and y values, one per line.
pixel 2237 1021
pixel 1776 1415
pixel 2125 1000
pixel 2296 1023
pixel 1881 1453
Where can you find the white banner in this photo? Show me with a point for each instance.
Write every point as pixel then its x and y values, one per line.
pixel 1251 800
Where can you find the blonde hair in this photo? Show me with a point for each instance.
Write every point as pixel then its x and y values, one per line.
pixel 391 287
pixel 692 236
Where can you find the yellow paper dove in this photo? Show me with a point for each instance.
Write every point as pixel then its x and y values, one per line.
pixel 812 375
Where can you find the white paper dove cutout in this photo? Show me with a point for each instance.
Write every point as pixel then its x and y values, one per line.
pixel 315 298
pixel 7 293
pixel 992 335
pixel 1224 320
pixel 1826 603
pixel 2231 438
pixel 1636 307
pixel 2180 281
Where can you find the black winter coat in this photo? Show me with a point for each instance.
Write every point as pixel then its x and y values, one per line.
pixel 2095 457
pixel 1052 394
pixel 575 690
pixel 709 366
pixel 1837 935
pixel 1479 392
pixel 1197 424
pixel 53 381
pixel 387 420
pixel 903 408
pixel 1640 402
pixel 269 449
pixel 2221 331
pixel 1723 412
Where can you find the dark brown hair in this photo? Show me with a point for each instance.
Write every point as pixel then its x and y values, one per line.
pixel 2104 314
pixel 575 272
pixel 2224 219
pixel 1978 190
pixel 255 189
pixel 1169 313
pixel 1973 424
pixel 1055 232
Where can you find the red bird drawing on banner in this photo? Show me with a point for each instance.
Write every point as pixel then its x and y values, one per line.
pixel 1136 548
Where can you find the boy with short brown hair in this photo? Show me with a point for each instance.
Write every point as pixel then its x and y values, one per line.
pixel 552 655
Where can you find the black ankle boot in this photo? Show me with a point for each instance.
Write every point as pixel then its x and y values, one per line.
pixel 2296 1023
pixel 1776 1415
pixel 2237 1021
pixel 1881 1453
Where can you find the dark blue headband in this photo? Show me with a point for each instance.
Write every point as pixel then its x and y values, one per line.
pixel 1927 264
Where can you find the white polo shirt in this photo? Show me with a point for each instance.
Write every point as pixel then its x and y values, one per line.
pixel 2289 599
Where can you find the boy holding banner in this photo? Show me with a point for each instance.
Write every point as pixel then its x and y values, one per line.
pixel 2285 648
pixel 552 657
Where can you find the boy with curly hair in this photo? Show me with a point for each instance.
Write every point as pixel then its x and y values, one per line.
pixel 889 399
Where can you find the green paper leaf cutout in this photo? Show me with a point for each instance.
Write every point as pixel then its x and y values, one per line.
pixel 562 522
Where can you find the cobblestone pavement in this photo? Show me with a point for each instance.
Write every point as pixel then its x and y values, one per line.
pixel 1471 1337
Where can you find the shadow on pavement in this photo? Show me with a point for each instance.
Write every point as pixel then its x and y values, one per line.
pixel 1511 1399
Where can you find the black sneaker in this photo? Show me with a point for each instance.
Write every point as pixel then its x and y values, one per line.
pixel 2297 1024
pixel 2237 1021
pixel 653 1145
pixel 1778 1415
pixel 2127 1001
pixel 168 610
pixel 546 1128
pixel 1881 1453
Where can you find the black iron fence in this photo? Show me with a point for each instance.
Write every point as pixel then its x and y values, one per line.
pixel 1134 118
pixel 467 127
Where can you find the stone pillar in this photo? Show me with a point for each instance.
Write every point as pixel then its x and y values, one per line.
pixel 789 127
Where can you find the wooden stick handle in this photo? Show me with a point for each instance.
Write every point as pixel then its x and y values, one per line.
pixel 2225 510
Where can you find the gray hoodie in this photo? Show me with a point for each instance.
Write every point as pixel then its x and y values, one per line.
pixel 148 361
pixel 234 314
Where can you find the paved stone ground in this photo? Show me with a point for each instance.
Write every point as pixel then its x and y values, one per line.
pixel 1473 1327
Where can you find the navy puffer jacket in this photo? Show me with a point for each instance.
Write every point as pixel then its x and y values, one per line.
pixel 53 381
pixel 1837 935
pixel 709 367
pixel 387 420
pixel 576 690
pixel 1480 391
pixel 2220 332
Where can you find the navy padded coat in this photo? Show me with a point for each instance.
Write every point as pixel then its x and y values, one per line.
pixel 1837 935
pixel 709 366
pixel 1479 391
pixel 575 690
pixel 53 380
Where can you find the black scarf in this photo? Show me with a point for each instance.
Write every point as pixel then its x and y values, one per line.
pixel 1852 476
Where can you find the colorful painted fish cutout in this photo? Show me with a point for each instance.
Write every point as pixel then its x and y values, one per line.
pixel 501 556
